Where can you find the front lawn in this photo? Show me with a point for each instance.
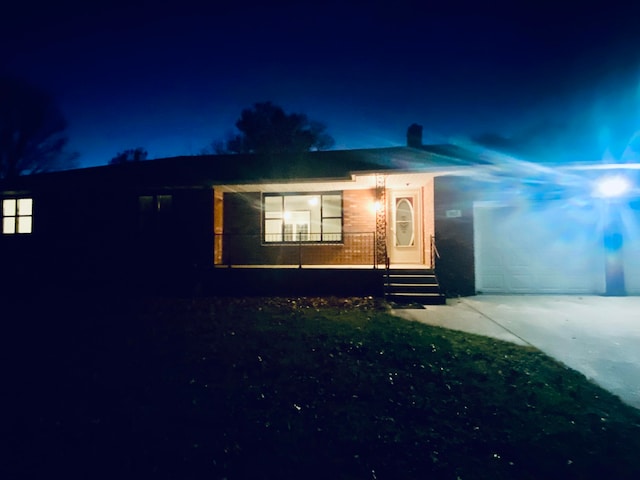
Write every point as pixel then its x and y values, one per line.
pixel 295 388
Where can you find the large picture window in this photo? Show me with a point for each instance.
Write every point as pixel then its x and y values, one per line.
pixel 17 215
pixel 310 217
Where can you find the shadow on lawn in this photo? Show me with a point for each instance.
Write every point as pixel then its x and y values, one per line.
pixel 108 386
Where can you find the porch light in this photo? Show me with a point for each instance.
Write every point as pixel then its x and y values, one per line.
pixel 313 201
pixel 377 206
pixel 612 186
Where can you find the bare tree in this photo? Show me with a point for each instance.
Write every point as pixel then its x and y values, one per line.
pixel 32 130
pixel 131 155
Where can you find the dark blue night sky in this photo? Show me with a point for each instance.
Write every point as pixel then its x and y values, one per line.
pixel 172 77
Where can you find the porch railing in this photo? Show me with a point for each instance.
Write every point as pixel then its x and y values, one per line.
pixel 296 249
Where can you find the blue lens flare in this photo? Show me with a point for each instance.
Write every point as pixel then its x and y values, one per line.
pixel 612 186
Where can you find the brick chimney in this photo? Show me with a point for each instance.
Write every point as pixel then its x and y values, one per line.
pixel 414 136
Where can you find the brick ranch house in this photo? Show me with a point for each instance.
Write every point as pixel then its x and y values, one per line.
pixel 410 222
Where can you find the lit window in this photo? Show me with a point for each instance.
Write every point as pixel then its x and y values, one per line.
pixel 303 217
pixel 17 215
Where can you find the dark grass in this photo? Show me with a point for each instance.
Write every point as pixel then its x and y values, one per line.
pixel 291 388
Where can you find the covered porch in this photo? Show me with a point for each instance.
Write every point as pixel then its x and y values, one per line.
pixel 371 220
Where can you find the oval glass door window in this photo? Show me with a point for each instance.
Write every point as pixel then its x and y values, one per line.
pixel 404 222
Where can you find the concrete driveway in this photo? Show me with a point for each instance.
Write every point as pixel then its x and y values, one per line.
pixel 598 336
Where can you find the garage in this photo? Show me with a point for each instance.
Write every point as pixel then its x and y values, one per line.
pixel 630 219
pixel 548 248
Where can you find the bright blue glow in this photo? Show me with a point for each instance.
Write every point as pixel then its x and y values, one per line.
pixel 612 186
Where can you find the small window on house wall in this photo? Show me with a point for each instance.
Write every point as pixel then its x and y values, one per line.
pixel 154 211
pixel 17 215
pixel 315 217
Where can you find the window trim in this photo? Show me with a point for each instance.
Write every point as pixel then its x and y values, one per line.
pixel 310 235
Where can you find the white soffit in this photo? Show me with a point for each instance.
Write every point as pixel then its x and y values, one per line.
pixel 363 181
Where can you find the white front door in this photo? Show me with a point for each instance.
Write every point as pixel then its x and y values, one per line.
pixel 405 227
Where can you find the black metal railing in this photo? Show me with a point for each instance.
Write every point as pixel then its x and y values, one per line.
pixel 296 249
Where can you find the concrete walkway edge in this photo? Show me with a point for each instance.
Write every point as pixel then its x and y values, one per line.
pixel 597 336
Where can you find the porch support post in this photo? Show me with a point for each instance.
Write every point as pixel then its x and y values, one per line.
pixel 380 253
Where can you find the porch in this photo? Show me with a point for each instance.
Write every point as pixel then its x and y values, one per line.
pixel 352 250
pixel 355 264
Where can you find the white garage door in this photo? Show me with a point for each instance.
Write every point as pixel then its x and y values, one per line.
pixel 555 249
pixel 630 219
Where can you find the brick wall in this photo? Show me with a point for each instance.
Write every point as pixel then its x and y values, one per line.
pixel 243 243
pixel 358 213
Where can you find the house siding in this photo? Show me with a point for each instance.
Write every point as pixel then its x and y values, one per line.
pixel 454 234
pixel 87 227
pixel 78 236
pixel 93 238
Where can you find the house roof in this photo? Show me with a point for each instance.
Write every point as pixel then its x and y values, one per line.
pixel 209 170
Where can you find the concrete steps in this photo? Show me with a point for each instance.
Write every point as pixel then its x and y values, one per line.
pixel 413 285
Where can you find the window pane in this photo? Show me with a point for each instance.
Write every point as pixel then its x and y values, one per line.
pixel 300 202
pixel 9 207
pixel 331 229
pixel 24 224
pixel 297 225
pixel 404 222
pixel 288 232
pixel 304 217
pixel 145 203
pixel 332 225
pixel 302 232
pixel 165 202
pixel 273 230
pixel 9 225
pixel 273 207
pixel 331 206
pixel 25 206
pixel 315 225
